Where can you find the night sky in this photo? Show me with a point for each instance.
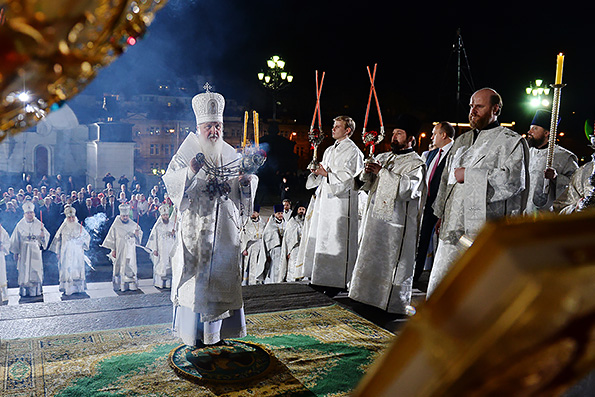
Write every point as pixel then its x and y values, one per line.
pixel 228 41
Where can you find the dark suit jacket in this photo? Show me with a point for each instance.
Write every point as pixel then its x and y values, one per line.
pixel 110 211
pixel 435 182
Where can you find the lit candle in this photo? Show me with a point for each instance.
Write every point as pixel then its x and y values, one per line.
pixel 245 129
pixel 559 67
pixel 256 129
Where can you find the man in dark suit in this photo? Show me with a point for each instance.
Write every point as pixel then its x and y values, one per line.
pixel 79 203
pixel 87 210
pixel 111 210
pixel 442 138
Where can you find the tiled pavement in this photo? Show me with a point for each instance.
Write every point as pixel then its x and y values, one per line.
pixel 94 290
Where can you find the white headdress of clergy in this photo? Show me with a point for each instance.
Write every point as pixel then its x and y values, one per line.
pixel 124 209
pixel 28 206
pixel 69 210
pixel 164 209
pixel 208 106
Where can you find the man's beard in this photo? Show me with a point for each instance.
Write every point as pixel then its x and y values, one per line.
pixel 301 217
pixel 211 149
pixel 396 147
pixel 479 123
pixel 532 142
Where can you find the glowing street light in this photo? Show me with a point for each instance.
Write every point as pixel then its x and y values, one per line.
pixel 275 78
pixel 538 93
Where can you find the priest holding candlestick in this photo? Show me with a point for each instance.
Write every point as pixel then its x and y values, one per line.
pixel 557 176
pixel 328 247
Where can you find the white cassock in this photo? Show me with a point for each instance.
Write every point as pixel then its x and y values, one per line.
pixel 578 188
pixel 329 244
pixel 496 185
pixel 70 243
pixel 290 247
pixel 251 239
pixel 162 240
pixel 4 250
pixel 122 238
pixel 206 276
pixel 27 242
pixel 287 215
pixel 565 163
pixel 383 273
pixel 270 262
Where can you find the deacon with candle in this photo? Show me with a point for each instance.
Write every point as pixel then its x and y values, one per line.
pixel 396 187
pixel 557 175
pixel 329 244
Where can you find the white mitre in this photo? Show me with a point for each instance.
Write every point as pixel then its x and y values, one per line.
pixel 164 209
pixel 208 107
pixel 124 209
pixel 69 210
pixel 28 206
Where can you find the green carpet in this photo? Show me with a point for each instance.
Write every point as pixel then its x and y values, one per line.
pixel 317 351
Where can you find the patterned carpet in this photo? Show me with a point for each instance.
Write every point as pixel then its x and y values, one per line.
pixel 321 351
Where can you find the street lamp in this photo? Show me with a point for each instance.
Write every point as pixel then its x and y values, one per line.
pixel 275 78
pixel 538 93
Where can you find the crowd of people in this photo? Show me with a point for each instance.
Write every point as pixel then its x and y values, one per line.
pixel 46 217
pixel 370 229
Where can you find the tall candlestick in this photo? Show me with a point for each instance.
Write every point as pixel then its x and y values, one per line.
pixel 245 140
pixel 559 67
pixel 255 116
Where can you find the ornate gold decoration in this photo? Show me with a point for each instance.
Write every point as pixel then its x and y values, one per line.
pixel 51 49
pixel 514 316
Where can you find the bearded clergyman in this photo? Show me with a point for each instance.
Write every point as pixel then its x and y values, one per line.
pixel 546 185
pixel 206 280
pixel 270 262
pixel 486 176
pixel 69 244
pixel 28 238
pixel 122 238
pixel 160 244
pixel 251 238
pixel 396 186
pixel 292 236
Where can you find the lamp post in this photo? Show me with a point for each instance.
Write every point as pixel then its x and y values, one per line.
pixel 538 94
pixel 275 78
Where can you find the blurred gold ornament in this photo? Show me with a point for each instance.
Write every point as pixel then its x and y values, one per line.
pixel 514 316
pixel 51 49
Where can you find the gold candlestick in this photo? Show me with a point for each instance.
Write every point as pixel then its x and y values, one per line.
pixel 315 136
pixel 245 140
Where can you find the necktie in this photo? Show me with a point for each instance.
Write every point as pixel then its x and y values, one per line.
pixel 435 166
